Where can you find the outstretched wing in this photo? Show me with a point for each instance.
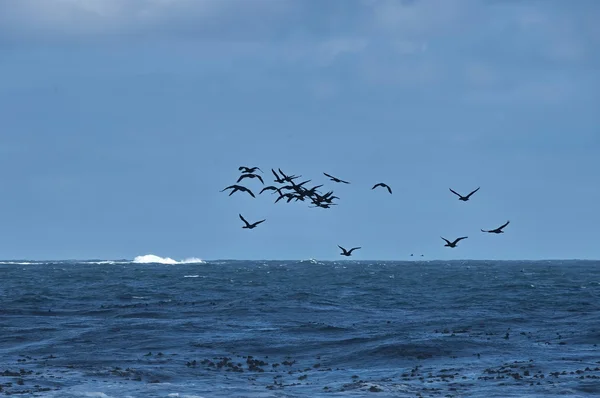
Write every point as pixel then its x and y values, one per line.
pixel 250 192
pixel 229 187
pixel 330 176
pixel 344 250
pixel 376 185
pixel 447 241
pixel 459 239
pixel 244 220
pixel 456 193
pixel 388 188
pixel 242 177
pixel 260 178
pixel 354 248
pixel 508 222
pixel 483 230
pixel 258 222
pixel 469 195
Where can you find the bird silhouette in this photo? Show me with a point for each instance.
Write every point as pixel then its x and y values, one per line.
pixel 245 169
pixel 236 188
pixel 453 244
pixel 381 184
pixel 347 253
pixel 248 225
pixel 497 230
pixel 463 198
pixel 335 179
pixel 250 175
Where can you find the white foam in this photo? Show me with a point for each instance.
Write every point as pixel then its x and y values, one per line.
pixel 151 258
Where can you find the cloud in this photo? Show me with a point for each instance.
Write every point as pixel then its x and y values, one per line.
pixel 74 19
pixel 482 45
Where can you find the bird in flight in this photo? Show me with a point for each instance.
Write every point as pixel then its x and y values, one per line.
pixel 453 244
pixel 335 179
pixel 497 230
pixel 250 175
pixel 248 225
pixel 463 198
pixel 381 184
pixel 347 253
pixel 245 169
pixel 236 188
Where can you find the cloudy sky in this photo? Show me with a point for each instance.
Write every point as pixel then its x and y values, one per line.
pixel 120 121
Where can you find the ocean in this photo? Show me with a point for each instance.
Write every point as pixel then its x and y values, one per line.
pixel 300 328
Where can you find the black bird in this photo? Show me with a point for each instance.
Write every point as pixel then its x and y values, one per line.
pixel 245 169
pixel 464 198
pixel 289 178
pixel 277 178
pixel 250 175
pixel 497 230
pixel 347 253
pixel 381 184
pixel 236 188
pixel 248 225
pixel 453 244
pixel 269 188
pixel 335 179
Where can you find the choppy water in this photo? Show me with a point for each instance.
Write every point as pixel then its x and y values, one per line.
pixel 457 329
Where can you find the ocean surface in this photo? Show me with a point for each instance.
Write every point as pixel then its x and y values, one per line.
pixel 299 329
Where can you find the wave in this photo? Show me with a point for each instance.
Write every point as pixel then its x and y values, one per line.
pixel 153 259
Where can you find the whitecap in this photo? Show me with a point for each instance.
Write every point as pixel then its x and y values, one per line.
pixel 153 259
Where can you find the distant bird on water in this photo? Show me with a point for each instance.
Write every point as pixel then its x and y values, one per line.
pixel 250 175
pixel 463 198
pixel 497 230
pixel 335 179
pixel 236 188
pixel 453 244
pixel 248 225
pixel 381 184
pixel 347 253
pixel 245 169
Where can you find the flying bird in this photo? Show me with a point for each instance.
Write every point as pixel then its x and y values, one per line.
pixel 335 179
pixel 463 198
pixel 248 225
pixel 497 230
pixel 347 253
pixel 250 175
pixel 453 244
pixel 269 188
pixel 236 188
pixel 245 169
pixel 381 184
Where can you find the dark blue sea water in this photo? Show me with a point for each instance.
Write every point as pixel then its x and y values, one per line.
pixel 300 329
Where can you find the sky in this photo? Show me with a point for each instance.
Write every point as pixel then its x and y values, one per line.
pixel 120 122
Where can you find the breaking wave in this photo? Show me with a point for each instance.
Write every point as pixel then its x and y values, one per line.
pixel 153 259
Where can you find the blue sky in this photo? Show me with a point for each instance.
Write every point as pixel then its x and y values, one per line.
pixel 121 121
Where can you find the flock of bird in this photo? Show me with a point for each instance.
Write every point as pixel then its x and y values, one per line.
pixel 290 190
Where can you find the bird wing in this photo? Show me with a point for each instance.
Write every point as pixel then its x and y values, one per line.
pixel 508 222
pixel 483 230
pixel 388 188
pixel 242 168
pixel 345 182
pixel 344 250
pixel 454 192
pixel 469 195
pixel 260 178
pixel 447 241
pixel 275 174
pixel 376 185
pixel 282 173
pixel 229 187
pixel 242 177
pixel 354 248
pixel 250 192
pixel 243 219
pixel 459 239
pixel 258 222
pixel 330 176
